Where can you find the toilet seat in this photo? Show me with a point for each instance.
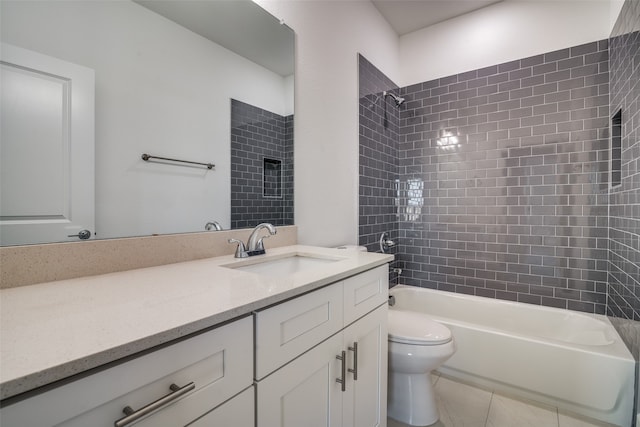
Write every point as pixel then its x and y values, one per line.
pixel 410 327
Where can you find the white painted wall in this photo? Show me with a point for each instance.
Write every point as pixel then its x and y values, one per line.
pixel 329 35
pixel 160 89
pixel 614 12
pixel 500 33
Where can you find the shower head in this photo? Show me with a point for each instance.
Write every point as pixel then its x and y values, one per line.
pixel 398 100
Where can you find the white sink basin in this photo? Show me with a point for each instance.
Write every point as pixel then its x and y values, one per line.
pixel 283 266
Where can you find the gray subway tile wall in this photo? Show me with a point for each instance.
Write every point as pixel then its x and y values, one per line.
pixel 503 183
pixel 257 134
pixel 287 178
pixel 379 120
pixel 503 180
pixel 624 202
pixel 378 158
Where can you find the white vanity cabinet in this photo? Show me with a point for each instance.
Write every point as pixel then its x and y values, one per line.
pixel 238 412
pixel 303 389
pixel 278 366
pixel 192 376
pixel 366 397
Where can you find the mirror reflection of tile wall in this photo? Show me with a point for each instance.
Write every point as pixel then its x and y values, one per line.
pixel 261 166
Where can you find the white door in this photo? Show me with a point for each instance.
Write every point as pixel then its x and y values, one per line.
pixel 46 148
pixel 365 401
pixel 304 392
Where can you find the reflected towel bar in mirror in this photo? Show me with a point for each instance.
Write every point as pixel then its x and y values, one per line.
pixel 147 157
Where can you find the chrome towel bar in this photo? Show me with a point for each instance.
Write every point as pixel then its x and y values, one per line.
pixel 146 157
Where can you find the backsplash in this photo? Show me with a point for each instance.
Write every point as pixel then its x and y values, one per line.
pixel 256 135
pixel 27 265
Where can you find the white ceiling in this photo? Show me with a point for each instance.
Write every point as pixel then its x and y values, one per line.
pixel 406 16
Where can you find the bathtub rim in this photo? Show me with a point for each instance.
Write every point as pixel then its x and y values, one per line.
pixel 617 349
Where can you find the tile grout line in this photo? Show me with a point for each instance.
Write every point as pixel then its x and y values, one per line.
pixel 486 418
pixel 436 381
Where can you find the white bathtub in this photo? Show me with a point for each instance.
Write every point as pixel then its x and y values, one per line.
pixel 574 361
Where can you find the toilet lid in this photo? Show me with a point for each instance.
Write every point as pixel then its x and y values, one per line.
pixel 412 327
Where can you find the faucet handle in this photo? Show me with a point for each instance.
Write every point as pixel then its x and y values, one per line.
pixel 241 250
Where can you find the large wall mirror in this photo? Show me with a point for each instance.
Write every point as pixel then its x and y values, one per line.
pixel 167 75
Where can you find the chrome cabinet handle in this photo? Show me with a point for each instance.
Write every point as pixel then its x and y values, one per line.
pixel 354 371
pixel 343 371
pixel 132 415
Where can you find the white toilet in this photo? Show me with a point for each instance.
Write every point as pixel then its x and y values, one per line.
pixel 417 345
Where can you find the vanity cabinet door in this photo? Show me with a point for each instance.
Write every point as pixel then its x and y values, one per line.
pixel 365 399
pixel 304 392
pixel 365 292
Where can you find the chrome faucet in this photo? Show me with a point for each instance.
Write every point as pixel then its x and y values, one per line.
pixel 255 245
pixel 213 225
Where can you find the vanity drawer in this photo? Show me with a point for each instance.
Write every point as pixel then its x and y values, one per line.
pixel 218 362
pixel 238 412
pixel 287 330
pixel 365 292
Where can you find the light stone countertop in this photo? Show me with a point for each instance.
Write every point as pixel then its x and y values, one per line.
pixel 51 331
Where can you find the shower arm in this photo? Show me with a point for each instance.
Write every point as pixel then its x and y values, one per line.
pixel 397 99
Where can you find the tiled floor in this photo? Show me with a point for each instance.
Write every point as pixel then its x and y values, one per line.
pixel 461 405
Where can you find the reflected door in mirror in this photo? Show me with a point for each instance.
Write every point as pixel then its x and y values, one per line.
pixel 46 148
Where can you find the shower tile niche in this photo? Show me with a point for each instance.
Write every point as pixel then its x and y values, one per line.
pixel 271 178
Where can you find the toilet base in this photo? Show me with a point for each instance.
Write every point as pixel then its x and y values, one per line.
pixel 411 399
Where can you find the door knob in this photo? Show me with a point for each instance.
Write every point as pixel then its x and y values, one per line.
pixel 82 235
